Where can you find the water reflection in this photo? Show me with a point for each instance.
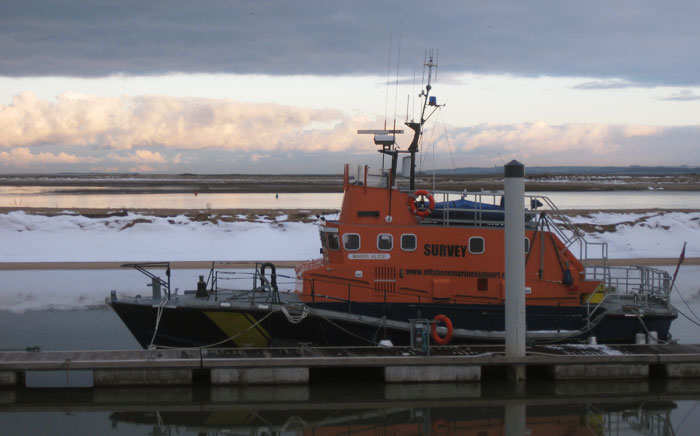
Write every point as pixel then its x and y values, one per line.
pixel 536 408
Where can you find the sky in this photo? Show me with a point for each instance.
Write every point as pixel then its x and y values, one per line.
pixel 282 87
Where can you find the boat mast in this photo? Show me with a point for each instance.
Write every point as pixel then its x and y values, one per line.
pixel 387 138
pixel 417 127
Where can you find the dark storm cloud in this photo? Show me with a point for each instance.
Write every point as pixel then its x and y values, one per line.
pixel 644 42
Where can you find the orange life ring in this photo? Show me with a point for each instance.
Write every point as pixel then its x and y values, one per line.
pixel 412 203
pixel 433 330
pixel 441 427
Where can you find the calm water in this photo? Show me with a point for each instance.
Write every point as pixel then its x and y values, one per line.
pixel 44 197
pixel 487 409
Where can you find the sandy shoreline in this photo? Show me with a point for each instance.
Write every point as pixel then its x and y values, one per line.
pixel 22 266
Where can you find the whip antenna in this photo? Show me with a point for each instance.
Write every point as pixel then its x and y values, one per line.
pixel 388 74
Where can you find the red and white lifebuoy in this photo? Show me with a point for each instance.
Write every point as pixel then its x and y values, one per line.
pixel 441 340
pixel 424 195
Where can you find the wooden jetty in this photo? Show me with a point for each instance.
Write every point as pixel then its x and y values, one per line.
pixel 278 366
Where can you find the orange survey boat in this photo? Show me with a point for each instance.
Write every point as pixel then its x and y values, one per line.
pixel 402 260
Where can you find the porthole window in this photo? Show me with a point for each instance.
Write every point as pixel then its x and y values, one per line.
pixel 527 245
pixel 476 245
pixel 351 241
pixel 385 242
pixel 333 242
pixel 408 242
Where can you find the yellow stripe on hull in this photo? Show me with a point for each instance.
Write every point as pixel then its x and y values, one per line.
pixel 233 323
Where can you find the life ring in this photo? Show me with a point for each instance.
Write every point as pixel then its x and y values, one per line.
pixel 433 330
pixel 441 427
pixel 412 203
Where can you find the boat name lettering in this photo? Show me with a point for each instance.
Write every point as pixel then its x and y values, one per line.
pixel 455 273
pixel 369 256
pixel 445 250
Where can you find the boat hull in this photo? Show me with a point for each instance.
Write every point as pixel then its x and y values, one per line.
pixel 365 324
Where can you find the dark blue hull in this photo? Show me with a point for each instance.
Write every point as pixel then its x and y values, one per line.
pixel 338 324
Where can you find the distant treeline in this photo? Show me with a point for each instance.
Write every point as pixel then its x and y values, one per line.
pixel 569 170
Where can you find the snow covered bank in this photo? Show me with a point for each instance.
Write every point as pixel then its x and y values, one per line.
pixel 654 234
pixel 134 237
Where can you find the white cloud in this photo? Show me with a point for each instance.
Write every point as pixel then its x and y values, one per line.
pixel 256 157
pixel 148 133
pixel 23 157
pixel 127 123
pixel 142 169
pixel 540 137
pixel 138 156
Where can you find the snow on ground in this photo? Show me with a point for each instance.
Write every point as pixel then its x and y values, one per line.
pixel 654 234
pixel 134 237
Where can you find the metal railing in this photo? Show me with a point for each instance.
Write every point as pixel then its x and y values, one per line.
pixel 632 279
pixel 640 288
pixel 266 290
pixel 156 281
pixel 488 211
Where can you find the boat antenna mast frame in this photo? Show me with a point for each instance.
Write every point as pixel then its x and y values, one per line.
pixel 431 64
pixel 387 138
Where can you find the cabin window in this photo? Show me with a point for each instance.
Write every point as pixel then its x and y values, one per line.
pixel 351 241
pixel 333 241
pixel 527 245
pixel 385 242
pixel 324 240
pixel 476 245
pixel 408 242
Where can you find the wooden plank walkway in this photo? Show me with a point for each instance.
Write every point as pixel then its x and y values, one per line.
pixel 345 357
pixel 292 365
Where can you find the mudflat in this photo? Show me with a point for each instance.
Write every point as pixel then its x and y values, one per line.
pixel 308 183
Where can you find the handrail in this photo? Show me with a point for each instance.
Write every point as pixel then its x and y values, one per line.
pixel 142 268
pixel 624 283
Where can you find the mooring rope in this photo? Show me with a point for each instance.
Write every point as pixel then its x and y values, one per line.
pixel 295 318
pixel 588 328
pixel 230 338
pixel 678 291
pixel 346 330
pixel 639 317
pixel 159 313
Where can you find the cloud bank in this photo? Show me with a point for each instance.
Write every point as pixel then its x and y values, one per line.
pixel 168 134
pixel 635 41
pixel 126 123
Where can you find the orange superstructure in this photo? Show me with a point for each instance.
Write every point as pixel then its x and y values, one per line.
pixel 379 251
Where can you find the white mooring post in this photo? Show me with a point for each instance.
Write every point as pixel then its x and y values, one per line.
pixel 515 262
